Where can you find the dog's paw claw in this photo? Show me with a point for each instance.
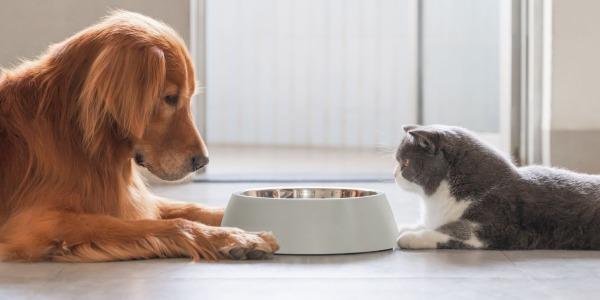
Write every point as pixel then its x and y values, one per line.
pixel 270 239
pixel 256 254
pixel 237 253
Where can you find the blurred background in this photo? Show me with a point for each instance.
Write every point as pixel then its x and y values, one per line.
pixel 318 89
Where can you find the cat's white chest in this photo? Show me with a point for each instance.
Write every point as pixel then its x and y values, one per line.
pixel 441 207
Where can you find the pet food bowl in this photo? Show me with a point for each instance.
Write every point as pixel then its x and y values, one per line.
pixel 316 220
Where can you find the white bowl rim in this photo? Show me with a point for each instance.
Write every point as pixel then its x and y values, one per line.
pixel 376 193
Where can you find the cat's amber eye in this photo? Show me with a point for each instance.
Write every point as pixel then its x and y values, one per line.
pixel 405 163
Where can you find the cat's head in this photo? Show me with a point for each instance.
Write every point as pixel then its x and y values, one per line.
pixel 431 154
pixel 422 157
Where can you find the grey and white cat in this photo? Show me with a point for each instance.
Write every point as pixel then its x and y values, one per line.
pixel 475 198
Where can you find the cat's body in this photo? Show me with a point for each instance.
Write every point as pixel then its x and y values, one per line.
pixel 473 197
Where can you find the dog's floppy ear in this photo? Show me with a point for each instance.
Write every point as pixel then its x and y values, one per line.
pixel 120 90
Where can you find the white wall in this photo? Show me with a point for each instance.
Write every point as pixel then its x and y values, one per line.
pixel 28 27
pixel 576 65
pixel 575 104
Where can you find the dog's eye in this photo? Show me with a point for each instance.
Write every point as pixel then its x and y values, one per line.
pixel 172 99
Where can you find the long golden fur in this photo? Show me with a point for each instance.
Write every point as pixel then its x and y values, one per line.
pixel 71 123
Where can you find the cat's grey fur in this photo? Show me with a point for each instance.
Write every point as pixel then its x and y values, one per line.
pixel 530 207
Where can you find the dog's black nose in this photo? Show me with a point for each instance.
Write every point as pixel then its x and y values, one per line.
pixel 199 161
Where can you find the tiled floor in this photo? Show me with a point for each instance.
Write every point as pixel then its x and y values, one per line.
pixel 390 274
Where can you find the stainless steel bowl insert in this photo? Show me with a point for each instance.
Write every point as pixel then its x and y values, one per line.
pixel 308 193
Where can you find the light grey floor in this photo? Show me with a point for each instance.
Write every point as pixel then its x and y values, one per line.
pixel 391 274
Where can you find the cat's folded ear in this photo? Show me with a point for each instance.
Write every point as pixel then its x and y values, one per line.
pixel 408 128
pixel 427 138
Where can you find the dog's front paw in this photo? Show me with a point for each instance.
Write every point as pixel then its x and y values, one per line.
pixel 422 239
pixel 233 243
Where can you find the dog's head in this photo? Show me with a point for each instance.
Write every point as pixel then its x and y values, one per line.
pixel 138 88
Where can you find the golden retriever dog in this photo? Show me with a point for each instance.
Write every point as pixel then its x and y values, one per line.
pixel 72 125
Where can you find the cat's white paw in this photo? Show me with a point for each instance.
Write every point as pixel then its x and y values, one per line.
pixel 402 228
pixel 422 239
pixel 410 240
